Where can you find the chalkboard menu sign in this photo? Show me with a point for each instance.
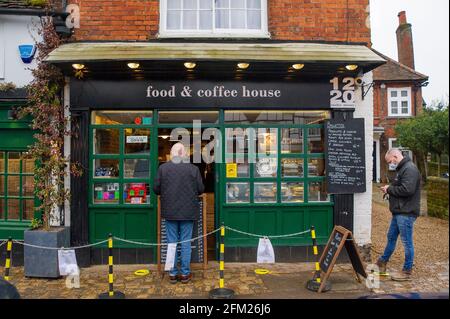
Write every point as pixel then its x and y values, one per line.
pixel 345 160
pixel 198 246
pixel 340 237
pixel 331 250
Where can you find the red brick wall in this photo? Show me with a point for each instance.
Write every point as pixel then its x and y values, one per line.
pixel 380 105
pixel 311 20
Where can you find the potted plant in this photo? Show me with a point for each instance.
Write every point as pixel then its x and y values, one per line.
pixel 49 122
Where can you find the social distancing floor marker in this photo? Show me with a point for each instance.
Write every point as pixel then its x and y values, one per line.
pixel 142 272
pixel 261 271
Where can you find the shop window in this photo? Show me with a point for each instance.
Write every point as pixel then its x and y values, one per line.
pixel 137 141
pixel 211 18
pixel 121 157
pixel 106 141
pixel 16 186
pixel 265 193
pixel 317 192
pixel 399 101
pixel 238 192
pixel 121 117
pixel 173 117
pixel 136 193
pixel 276 117
pixel 106 193
pixel 316 140
pixel 291 140
pixel 293 171
pixel 291 167
pixel 316 167
pixel 292 193
pixel 136 168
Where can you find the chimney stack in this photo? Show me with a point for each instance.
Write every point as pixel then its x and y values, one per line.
pixel 405 41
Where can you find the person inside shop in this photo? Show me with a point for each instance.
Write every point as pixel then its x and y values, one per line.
pixel 179 183
pixel 404 204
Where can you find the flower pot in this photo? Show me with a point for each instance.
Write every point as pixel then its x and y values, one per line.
pixel 39 262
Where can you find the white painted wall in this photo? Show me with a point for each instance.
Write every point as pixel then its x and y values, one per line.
pixel 363 201
pixel 14 31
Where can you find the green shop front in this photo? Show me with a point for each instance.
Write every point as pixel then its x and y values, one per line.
pixel 130 102
pixel 17 198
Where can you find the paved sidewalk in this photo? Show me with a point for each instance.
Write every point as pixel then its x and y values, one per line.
pixel 286 280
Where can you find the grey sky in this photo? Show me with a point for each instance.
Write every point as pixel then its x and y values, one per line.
pixel 430 26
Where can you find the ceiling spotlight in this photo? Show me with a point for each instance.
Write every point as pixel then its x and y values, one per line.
pixel 78 66
pixel 189 65
pixel 351 67
pixel 133 65
pixel 298 66
pixel 243 65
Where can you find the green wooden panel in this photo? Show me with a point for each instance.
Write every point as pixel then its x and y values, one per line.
pixel 13 229
pixel 277 220
pixel 104 223
pixel 12 139
pixel 137 224
pixel 322 220
pixel 265 221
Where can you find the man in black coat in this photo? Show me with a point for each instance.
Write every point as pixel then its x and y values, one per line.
pixel 179 183
pixel 404 204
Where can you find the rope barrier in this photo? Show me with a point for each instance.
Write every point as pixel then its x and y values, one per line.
pixel 267 236
pixel 165 244
pixel 158 244
pixel 60 248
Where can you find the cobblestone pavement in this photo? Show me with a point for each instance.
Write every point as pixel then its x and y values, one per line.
pixel 286 280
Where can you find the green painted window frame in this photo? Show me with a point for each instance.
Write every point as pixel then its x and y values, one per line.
pixel 21 197
pixel 306 179
pixel 121 156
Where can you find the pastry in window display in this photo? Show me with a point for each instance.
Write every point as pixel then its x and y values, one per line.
pixel 236 194
pixel 292 168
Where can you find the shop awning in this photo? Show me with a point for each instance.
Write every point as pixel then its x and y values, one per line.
pixel 322 56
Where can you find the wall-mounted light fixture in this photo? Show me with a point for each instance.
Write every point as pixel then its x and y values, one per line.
pixel 243 65
pixel 351 67
pixel 78 66
pixel 133 65
pixel 298 66
pixel 189 65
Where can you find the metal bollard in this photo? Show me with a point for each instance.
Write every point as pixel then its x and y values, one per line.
pixel 111 294
pixel 8 258
pixel 221 292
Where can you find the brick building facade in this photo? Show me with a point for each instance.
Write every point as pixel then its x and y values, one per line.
pixel 128 64
pixel 299 20
pixel 397 96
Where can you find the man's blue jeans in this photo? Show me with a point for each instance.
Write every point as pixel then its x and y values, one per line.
pixel 401 225
pixel 180 230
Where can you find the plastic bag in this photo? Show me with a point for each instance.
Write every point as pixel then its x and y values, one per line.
pixel 265 251
pixel 67 263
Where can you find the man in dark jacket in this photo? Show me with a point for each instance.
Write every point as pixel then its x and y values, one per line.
pixel 179 183
pixel 404 204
